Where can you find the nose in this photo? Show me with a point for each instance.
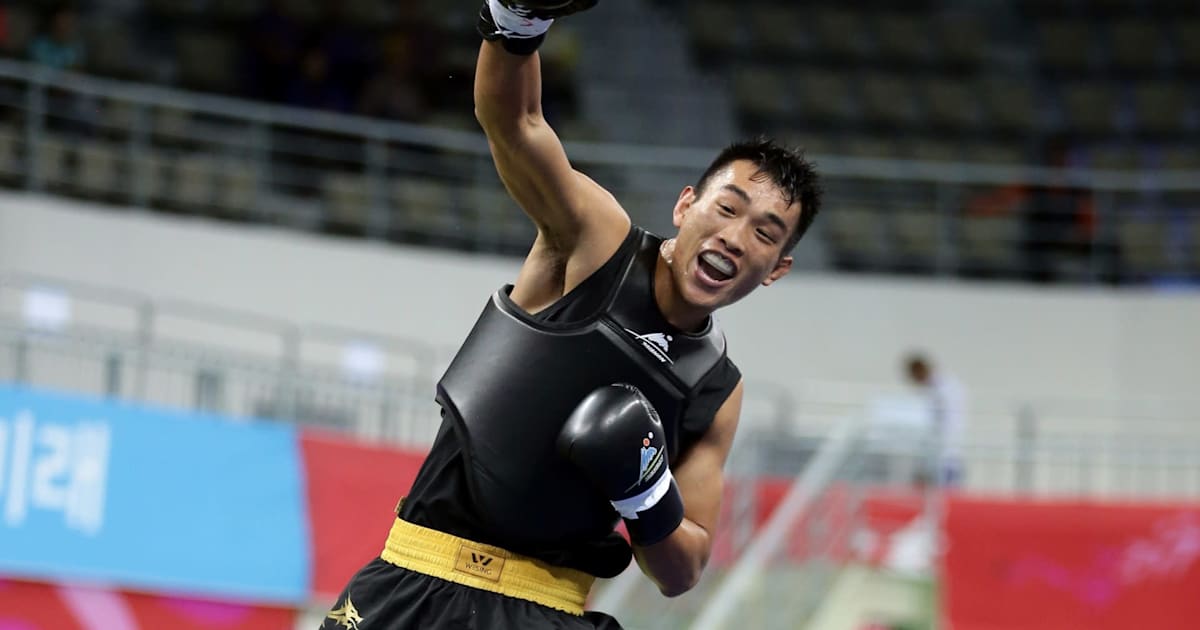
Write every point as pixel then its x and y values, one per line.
pixel 731 240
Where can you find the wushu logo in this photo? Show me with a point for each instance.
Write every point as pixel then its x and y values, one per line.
pixel 658 344
pixel 53 467
pixel 651 460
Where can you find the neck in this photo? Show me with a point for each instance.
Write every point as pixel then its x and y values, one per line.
pixel 678 313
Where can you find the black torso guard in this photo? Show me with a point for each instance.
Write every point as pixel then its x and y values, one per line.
pixel 517 378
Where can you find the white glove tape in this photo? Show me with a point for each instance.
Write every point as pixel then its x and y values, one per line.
pixel 629 508
pixel 515 26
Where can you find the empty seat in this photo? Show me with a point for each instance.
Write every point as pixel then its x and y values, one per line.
pixel 714 26
pixel 962 39
pixel 1192 246
pixel 117 118
pixel 763 92
pixel 110 46
pixel 1115 157
pixel 98 168
pixel 1064 44
pixel 424 207
pixel 823 95
pixel 1185 35
pixel 869 146
pixel 855 235
pixel 1144 246
pixel 172 126
pixel 1161 107
pixel 950 103
pixel 151 176
pixel 989 243
pixel 889 99
pixel 779 29
pixel 347 201
pixel 996 153
pixel 840 33
pixel 237 188
pixel 1089 107
pixel 195 181
pixel 1181 158
pixel 1010 103
pixel 917 235
pixel 1134 44
pixel 904 37
pixel 52 161
pixel 935 150
pixel 10 144
pixel 207 61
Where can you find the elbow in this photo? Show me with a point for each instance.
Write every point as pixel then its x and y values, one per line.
pixel 680 584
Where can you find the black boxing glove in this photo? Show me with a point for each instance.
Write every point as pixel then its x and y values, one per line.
pixel 616 439
pixel 521 25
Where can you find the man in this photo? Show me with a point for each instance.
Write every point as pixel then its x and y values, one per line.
pixel 946 400
pixel 595 388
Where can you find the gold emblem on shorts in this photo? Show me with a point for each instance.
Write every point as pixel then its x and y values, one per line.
pixel 480 563
pixel 347 615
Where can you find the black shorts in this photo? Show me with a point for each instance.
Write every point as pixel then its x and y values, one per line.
pixel 382 596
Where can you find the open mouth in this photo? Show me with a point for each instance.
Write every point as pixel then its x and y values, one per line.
pixel 717 267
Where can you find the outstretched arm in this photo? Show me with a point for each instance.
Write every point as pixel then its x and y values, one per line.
pixel 573 214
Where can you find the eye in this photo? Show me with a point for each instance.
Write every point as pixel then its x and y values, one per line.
pixel 765 236
pixel 726 210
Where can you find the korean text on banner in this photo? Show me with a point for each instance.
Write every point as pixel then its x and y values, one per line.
pixel 152 500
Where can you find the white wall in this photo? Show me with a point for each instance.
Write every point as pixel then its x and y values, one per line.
pixel 1027 340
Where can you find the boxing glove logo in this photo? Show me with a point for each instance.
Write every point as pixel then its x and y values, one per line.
pixel 651 460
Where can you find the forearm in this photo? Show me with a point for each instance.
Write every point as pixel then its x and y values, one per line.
pixel 508 89
pixel 676 562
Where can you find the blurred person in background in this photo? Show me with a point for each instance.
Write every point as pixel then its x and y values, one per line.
pixel 594 391
pixel 946 400
pixel 58 44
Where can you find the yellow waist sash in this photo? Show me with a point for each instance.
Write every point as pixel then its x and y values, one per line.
pixel 485 567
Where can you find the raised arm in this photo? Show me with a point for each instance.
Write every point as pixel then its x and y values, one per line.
pixel 574 215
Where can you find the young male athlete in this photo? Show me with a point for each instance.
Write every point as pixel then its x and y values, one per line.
pixel 594 388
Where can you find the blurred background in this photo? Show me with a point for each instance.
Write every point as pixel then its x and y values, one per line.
pixel 241 239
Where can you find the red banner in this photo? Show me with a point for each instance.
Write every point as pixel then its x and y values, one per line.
pixel 352 492
pixel 1065 566
pixel 29 606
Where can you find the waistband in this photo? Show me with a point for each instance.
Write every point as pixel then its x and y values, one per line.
pixel 486 567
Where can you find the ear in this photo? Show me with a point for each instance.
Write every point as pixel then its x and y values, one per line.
pixel 682 205
pixel 781 269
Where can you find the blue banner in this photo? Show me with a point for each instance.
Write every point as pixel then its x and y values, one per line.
pixel 150 499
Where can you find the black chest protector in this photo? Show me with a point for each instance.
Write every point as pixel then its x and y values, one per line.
pixel 515 381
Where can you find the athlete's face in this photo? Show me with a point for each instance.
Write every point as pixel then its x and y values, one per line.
pixel 731 238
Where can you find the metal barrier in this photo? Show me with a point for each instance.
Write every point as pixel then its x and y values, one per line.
pixel 151 147
pixel 176 354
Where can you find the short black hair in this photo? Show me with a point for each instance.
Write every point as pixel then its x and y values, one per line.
pixel 788 169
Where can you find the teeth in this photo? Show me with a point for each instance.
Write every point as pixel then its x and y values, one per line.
pixel 723 264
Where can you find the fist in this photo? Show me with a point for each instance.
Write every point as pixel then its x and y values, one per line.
pixel 547 9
